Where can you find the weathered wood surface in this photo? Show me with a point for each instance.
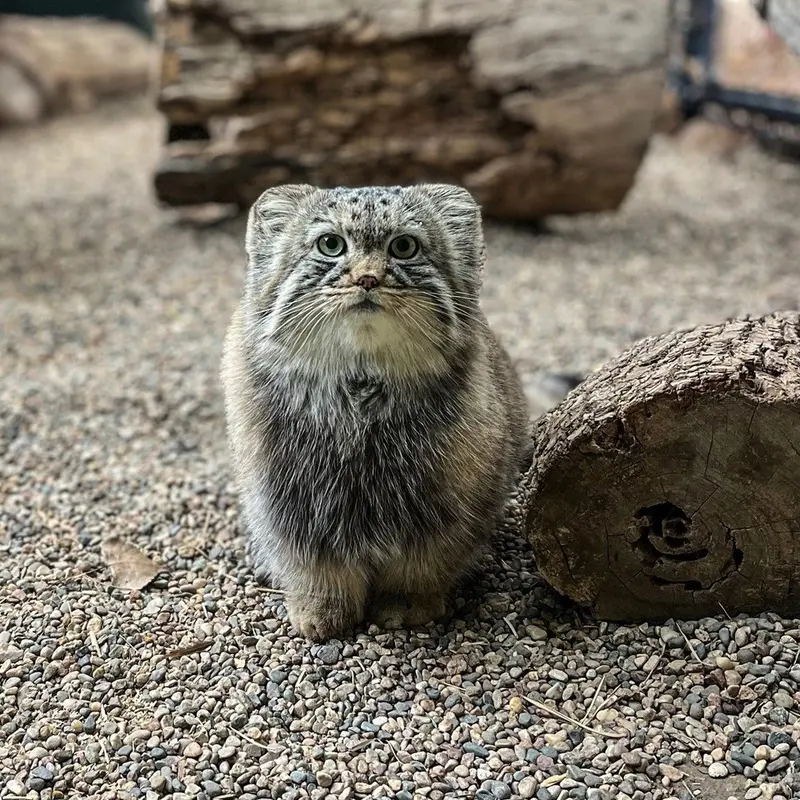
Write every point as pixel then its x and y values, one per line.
pixel 537 107
pixel 668 482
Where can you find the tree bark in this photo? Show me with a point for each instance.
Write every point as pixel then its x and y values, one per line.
pixel 537 107
pixel 668 483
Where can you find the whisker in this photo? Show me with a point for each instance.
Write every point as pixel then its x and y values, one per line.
pixel 417 324
pixel 315 325
pixel 471 314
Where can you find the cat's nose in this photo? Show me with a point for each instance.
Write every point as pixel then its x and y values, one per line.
pixel 367 282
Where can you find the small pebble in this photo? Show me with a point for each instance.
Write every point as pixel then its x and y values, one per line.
pixel 497 789
pixel 193 750
pixel 329 654
pixel 718 770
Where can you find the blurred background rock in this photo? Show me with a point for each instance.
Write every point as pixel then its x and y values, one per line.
pixel 135 13
pixel 68 55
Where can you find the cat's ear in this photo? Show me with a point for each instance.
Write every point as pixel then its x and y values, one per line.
pixel 271 213
pixel 460 217
pixel 451 199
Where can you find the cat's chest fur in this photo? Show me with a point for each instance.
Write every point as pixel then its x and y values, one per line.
pixel 356 463
pixel 366 395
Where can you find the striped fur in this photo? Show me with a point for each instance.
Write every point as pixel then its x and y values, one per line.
pixel 374 447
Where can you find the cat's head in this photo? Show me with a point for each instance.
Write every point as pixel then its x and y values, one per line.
pixel 389 273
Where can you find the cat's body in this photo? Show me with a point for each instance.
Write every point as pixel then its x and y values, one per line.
pixel 376 425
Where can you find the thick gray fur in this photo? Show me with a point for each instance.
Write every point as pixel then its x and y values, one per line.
pixel 374 446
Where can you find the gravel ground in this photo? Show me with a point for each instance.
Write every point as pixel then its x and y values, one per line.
pixel 111 320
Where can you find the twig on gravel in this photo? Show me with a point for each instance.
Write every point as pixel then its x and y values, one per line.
pixel 513 630
pixel 564 718
pixel 724 611
pixel 690 646
pixel 655 666
pixel 270 590
pixel 606 703
pixel 243 735
pixel 600 685
pixel 104 751
pixel 195 647
pixel 359 746
pixel 689 741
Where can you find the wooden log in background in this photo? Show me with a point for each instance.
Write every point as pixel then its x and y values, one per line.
pixel 668 483
pixel 537 107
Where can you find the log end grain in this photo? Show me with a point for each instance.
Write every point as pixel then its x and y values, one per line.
pixel 668 483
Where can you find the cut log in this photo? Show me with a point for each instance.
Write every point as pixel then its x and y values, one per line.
pixel 668 482
pixel 536 107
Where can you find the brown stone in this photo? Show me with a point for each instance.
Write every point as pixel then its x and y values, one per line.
pixel 53 65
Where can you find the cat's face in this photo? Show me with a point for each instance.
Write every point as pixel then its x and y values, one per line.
pixel 388 272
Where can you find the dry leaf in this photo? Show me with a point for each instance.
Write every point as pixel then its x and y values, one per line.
pixel 197 647
pixel 671 773
pixel 130 567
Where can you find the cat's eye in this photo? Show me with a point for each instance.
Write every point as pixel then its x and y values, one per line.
pixel 403 246
pixel 331 245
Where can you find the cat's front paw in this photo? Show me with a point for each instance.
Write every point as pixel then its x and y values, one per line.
pixel 259 558
pixel 408 611
pixel 320 619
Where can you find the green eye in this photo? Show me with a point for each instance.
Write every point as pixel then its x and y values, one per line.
pixel 331 245
pixel 403 246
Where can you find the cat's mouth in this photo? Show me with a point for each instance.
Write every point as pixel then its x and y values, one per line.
pixel 366 305
pixel 359 301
